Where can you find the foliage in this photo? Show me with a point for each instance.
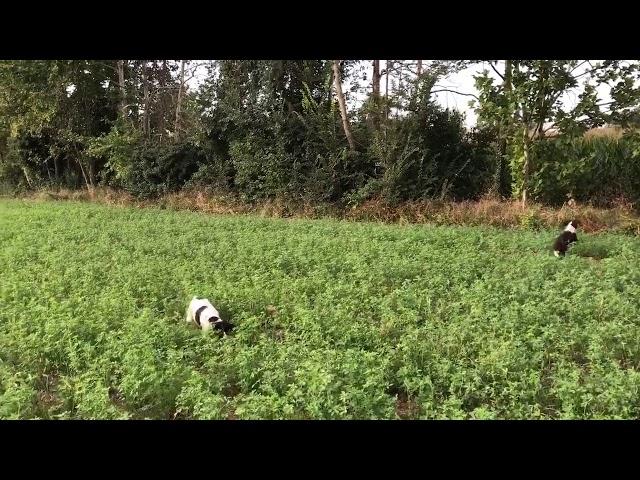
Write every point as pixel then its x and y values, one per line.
pixel 428 154
pixel 334 319
pixel 265 129
pixel 596 170
pixel 531 95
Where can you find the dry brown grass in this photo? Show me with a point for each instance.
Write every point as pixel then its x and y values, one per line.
pixel 502 213
pixel 613 132
pixel 487 211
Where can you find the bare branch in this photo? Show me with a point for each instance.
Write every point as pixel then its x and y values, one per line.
pixel 587 72
pixel 579 65
pixel 109 65
pixel 455 92
pixel 496 70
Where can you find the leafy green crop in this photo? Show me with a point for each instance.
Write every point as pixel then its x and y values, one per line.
pixel 335 320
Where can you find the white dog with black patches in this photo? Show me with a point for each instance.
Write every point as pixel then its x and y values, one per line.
pixel 201 313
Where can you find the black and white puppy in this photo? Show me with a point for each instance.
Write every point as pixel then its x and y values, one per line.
pixel 565 239
pixel 204 315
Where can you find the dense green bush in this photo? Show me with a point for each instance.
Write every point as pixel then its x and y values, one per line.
pixel 43 157
pixel 261 129
pixel 597 170
pixel 143 168
pixel 428 154
pixel 157 169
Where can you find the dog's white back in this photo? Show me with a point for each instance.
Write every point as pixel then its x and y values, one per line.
pixel 208 315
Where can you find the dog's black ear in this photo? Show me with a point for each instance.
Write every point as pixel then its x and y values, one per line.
pixel 223 326
pixel 227 326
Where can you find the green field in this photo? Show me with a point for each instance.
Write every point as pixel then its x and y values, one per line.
pixel 370 320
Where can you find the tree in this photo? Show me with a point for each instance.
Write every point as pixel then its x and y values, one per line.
pixel 53 108
pixel 123 89
pixel 375 81
pixel 337 82
pixel 147 104
pixel 529 101
pixel 178 124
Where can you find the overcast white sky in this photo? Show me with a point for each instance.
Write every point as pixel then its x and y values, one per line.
pixel 462 82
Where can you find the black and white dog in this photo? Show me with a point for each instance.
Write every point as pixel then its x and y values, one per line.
pixel 565 239
pixel 204 315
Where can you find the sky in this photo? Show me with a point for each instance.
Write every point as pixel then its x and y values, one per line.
pixel 461 82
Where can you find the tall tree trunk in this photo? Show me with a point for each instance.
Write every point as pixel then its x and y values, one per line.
pixel 161 102
pixel 123 90
pixel 376 78
pixel 84 175
pixel 542 111
pixel 376 93
pixel 178 125
pixel 400 84
pixel 92 173
pixel 504 134
pixel 26 176
pixel 330 97
pixel 525 123
pixel 419 72
pixel 526 167
pixel 337 82
pixel 145 89
pixel 386 90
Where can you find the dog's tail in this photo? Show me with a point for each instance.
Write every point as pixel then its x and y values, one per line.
pixel 187 315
